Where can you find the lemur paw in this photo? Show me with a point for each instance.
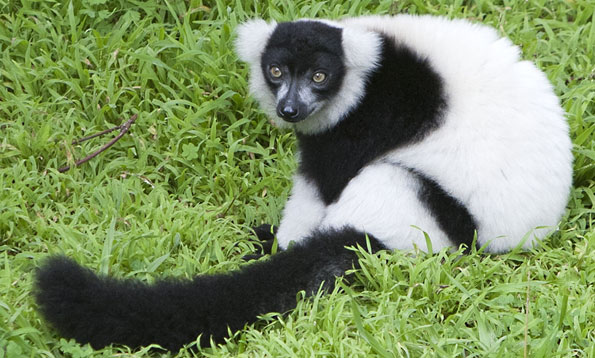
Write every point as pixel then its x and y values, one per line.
pixel 265 232
pixel 266 235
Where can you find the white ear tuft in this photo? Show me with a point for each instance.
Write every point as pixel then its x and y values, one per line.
pixel 362 48
pixel 252 38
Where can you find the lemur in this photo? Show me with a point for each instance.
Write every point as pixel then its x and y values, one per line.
pixel 407 127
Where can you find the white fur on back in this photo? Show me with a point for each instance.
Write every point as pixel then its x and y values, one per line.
pixel 504 149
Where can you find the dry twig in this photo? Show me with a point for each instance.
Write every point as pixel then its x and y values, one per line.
pixel 123 130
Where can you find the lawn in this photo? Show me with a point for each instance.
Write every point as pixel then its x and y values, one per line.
pixel 178 193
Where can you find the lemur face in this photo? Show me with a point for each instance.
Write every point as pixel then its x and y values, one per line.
pixel 303 67
pixel 308 74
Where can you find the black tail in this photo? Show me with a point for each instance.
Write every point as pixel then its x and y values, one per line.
pixel 171 313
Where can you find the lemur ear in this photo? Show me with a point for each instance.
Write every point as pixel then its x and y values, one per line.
pixel 362 47
pixel 252 38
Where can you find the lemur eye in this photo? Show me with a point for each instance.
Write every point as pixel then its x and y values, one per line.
pixel 319 77
pixel 276 72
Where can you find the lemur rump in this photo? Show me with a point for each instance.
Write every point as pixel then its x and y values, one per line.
pixel 405 125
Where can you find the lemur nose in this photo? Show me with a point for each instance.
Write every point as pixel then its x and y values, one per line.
pixel 289 112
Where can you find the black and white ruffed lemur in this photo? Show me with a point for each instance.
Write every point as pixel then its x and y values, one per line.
pixel 403 123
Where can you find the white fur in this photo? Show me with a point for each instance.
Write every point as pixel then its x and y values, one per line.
pixel 252 38
pixel 305 95
pixel 382 201
pixel 303 212
pixel 503 149
pixel 283 90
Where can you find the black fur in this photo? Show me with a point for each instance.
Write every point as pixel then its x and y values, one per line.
pixel 302 47
pixel 404 100
pixel 266 235
pixel 103 310
pixel 452 216
pixel 265 232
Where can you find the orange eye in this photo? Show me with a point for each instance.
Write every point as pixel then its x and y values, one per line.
pixel 276 72
pixel 319 77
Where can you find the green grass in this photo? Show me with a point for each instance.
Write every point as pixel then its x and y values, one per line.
pixel 177 195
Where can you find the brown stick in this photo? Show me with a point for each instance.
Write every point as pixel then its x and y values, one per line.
pixel 123 129
pixel 84 139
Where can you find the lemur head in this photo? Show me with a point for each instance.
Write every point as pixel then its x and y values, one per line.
pixel 307 74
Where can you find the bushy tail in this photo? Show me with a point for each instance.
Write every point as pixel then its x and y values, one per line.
pixel 171 313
